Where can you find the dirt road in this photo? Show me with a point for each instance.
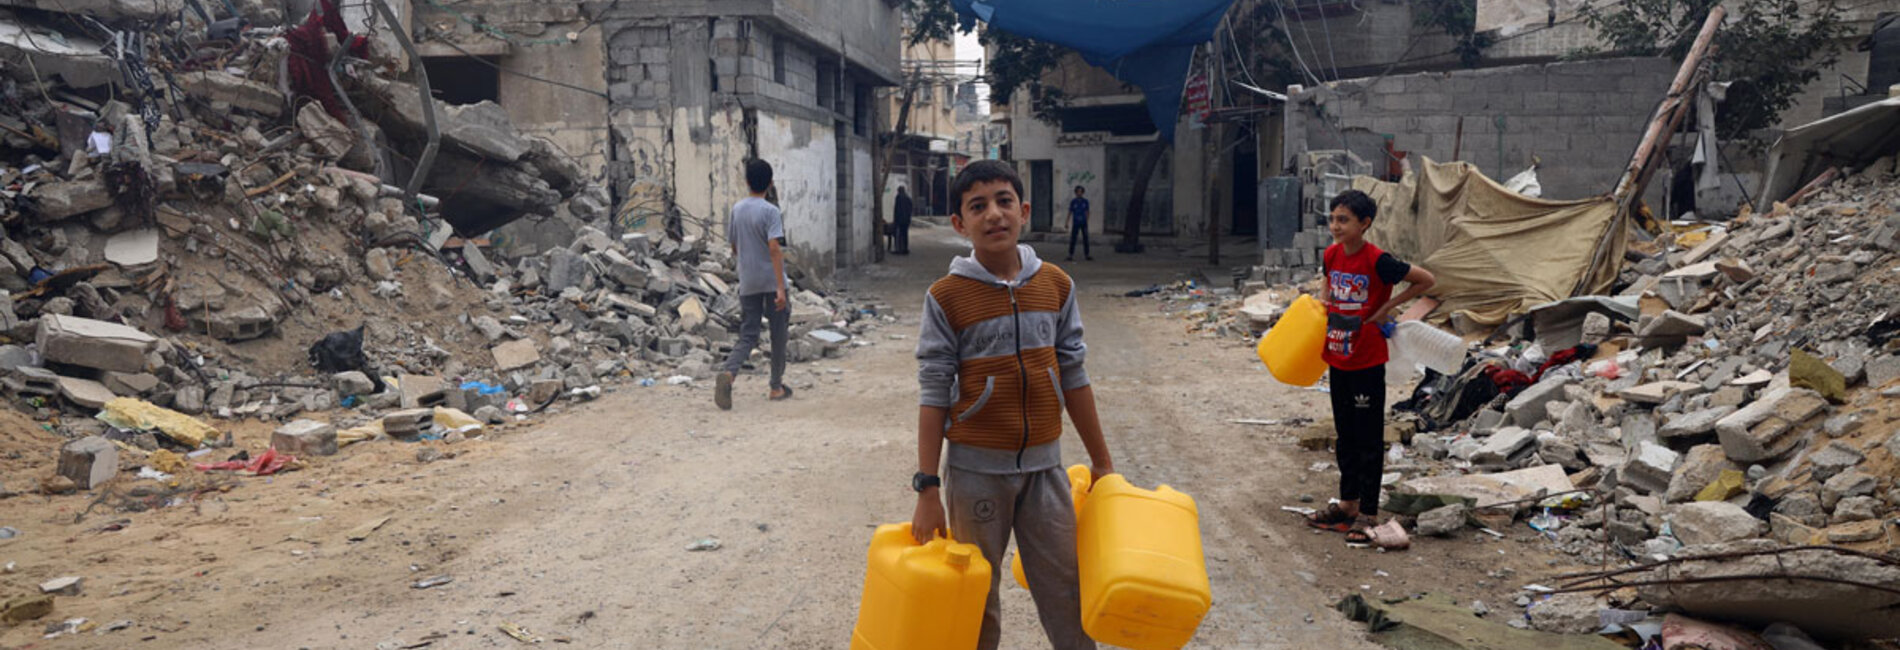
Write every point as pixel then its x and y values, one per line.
pixel 576 526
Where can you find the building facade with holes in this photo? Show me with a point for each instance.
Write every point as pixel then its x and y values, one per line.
pixel 664 100
pixel 693 94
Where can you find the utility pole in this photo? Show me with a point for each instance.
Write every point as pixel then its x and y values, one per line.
pixel 1213 142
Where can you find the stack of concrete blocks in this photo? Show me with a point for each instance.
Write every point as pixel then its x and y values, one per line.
pixel 1323 175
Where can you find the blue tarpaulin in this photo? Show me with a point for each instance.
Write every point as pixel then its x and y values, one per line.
pixel 1148 43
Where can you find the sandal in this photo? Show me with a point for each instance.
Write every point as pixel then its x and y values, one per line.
pixel 1390 536
pixel 1360 536
pixel 1333 518
pixel 783 393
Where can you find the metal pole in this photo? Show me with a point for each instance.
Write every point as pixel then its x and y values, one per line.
pixel 428 101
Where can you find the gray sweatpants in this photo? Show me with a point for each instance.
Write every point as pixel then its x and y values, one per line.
pixel 984 509
pixel 753 309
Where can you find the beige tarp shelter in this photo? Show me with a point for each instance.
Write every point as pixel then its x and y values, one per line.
pixel 1495 252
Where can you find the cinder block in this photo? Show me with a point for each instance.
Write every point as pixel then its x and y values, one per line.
pixel 305 438
pixel 89 461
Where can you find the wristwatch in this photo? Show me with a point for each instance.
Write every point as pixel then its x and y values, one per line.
pixel 922 481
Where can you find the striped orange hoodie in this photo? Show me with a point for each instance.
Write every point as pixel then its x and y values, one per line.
pixel 999 354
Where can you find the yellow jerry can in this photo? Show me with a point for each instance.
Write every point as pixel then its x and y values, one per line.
pixel 1144 578
pixel 921 597
pixel 1292 348
pixel 1078 491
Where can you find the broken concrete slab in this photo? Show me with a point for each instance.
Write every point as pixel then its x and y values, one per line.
pixel 305 438
pixel 483 129
pixel 89 462
pixel 1673 324
pixel 1492 489
pixel 1529 406
pixel 1755 589
pixel 1702 465
pixel 1650 469
pixel 420 391
pixel 409 423
pixel 130 385
pixel 219 86
pixel 1767 428
pixel 1736 269
pixel 331 138
pixel 1694 424
pixel 1442 521
pixel 1503 446
pixel 66 586
pixel 1833 459
pixel 1573 613
pixel 352 383
pixel 85 392
pixel 1850 483
pixel 692 314
pixel 478 264
pixel 515 355
pixel 1883 370
pixel 62 200
pixel 1711 522
pixel 1657 392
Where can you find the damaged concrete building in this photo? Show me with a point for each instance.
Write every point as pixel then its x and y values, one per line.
pixel 696 89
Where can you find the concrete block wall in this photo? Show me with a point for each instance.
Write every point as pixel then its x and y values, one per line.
pixel 639 68
pixel 1581 119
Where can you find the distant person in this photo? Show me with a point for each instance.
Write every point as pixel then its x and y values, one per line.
pixel 1358 295
pixel 900 223
pixel 1001 350
pixel 1079 224
pixel 757 234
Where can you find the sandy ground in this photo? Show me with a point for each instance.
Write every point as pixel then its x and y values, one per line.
pixel 576 526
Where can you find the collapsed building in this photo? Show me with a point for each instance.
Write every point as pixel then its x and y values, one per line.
pixel 192 221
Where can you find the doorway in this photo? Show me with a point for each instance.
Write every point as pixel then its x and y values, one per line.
pixel 1042 179
pixel 1245 192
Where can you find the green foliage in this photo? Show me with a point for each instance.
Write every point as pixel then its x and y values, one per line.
pixel 1770 49
pixel 1459 20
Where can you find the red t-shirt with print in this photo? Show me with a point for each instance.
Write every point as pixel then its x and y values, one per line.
pixel 1358 283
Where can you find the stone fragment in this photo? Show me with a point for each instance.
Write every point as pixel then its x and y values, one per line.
pixel 1571 613
pixel 1694 424
pixel 378 265
pixel 409 423
pixel 1833 459
pixel 491 415
pixel 305 438
pixel 1790 531
pixel 1657 392
pixel 1528 407
pixel 89 462
pixel 1766 428
pixel 1855 509
pixel 1503 446
pixel 1726 486
pixel 1441 521
pixel 62 200
pixel 67 586
pixel 331 138
pixel 352 383
pixel 515 355
pixel 692 314
pixel 1737 270
pixel 1649 469
pixel 1883 371
pixel 1699 467
pixel 545 390
pixel 1673 324
pixel 231 89
pixel 1856 532
pixel 85 392
pixel 1711 522
pixel 130 384
pixel 93 343
pixel 1851 483
pixel 483 129
pixel 420 391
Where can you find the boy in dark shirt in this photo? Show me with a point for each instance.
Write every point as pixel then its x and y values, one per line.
pixel 1079 225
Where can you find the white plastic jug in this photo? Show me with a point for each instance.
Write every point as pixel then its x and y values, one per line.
pixel 1434 348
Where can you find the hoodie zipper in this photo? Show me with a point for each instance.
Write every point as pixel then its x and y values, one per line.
pixel 1022 370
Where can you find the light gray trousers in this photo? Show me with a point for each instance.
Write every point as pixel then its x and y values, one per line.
pixel 984 509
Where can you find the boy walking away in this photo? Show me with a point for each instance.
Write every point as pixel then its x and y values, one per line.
pixel 900 223
pixel 1079 225
pixel 999 358
pixel 1359 302
pixel 757 234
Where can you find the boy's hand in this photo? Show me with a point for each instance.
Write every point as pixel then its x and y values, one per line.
pixel 1099 470
pixel 928 520
pixel 779 301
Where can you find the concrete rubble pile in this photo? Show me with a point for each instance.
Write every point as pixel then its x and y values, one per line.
pixel 1746 391
pixel 235 221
